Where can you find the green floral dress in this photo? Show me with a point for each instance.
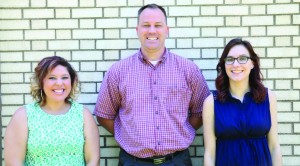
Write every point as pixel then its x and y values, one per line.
pixel 55 140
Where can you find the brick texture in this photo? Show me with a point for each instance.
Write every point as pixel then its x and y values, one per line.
pixel 94 34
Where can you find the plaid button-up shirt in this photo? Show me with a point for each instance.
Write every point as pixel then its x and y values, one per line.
pixel 151 105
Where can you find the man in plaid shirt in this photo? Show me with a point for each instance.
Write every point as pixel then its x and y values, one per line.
pixel 152 101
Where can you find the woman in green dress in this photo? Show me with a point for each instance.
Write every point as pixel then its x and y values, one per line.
pixel 54 130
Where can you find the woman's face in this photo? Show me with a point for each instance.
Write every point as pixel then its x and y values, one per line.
pixel 240 69
pixel 57 84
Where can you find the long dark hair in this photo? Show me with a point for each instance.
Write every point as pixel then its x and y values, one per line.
pixel 255 77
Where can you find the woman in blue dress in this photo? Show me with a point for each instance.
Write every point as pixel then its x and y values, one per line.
pixel 240 117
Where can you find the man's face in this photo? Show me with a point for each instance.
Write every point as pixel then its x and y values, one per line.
pixel 152 30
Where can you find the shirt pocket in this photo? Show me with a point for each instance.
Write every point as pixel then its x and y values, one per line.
pixel 178 99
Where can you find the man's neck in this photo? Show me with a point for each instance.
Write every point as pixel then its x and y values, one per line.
pixel 153 55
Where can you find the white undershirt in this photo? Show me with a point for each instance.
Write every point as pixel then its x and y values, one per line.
pixel 154 62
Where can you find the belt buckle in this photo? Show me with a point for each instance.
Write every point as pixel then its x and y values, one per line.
pixel 159 160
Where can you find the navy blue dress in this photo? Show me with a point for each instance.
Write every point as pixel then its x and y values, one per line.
pixel 241 129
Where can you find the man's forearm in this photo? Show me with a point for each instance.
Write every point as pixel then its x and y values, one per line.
pixel 196 122
pixel 108 124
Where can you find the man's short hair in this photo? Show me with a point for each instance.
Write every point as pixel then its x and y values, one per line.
pixel 151 6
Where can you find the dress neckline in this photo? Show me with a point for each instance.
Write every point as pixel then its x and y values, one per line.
pixel 52 115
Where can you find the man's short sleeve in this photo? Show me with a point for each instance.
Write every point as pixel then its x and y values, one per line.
pixel 108 101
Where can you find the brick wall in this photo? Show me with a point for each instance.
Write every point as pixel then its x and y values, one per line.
pixel 94 34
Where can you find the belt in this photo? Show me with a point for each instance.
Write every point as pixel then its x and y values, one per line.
pixel 156 159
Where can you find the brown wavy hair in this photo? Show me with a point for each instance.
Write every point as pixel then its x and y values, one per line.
pixel 255 77
pixel 45 66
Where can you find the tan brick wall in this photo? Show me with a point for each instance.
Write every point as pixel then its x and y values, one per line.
pixel 94 34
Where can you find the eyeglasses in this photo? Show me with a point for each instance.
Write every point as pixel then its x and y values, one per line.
pixel 240 59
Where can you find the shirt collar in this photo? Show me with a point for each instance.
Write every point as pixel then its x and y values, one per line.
pixel 247 96
pixel 144 59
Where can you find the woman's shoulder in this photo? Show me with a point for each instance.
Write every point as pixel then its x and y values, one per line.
pixel 81 108
pixel 21 111
pixel 86 111
pixel 20 115
pixel 271 95
pixel 87 115
pixel 270 92
pixel 209 99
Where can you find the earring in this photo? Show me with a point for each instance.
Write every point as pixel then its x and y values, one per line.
pixel 42 94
